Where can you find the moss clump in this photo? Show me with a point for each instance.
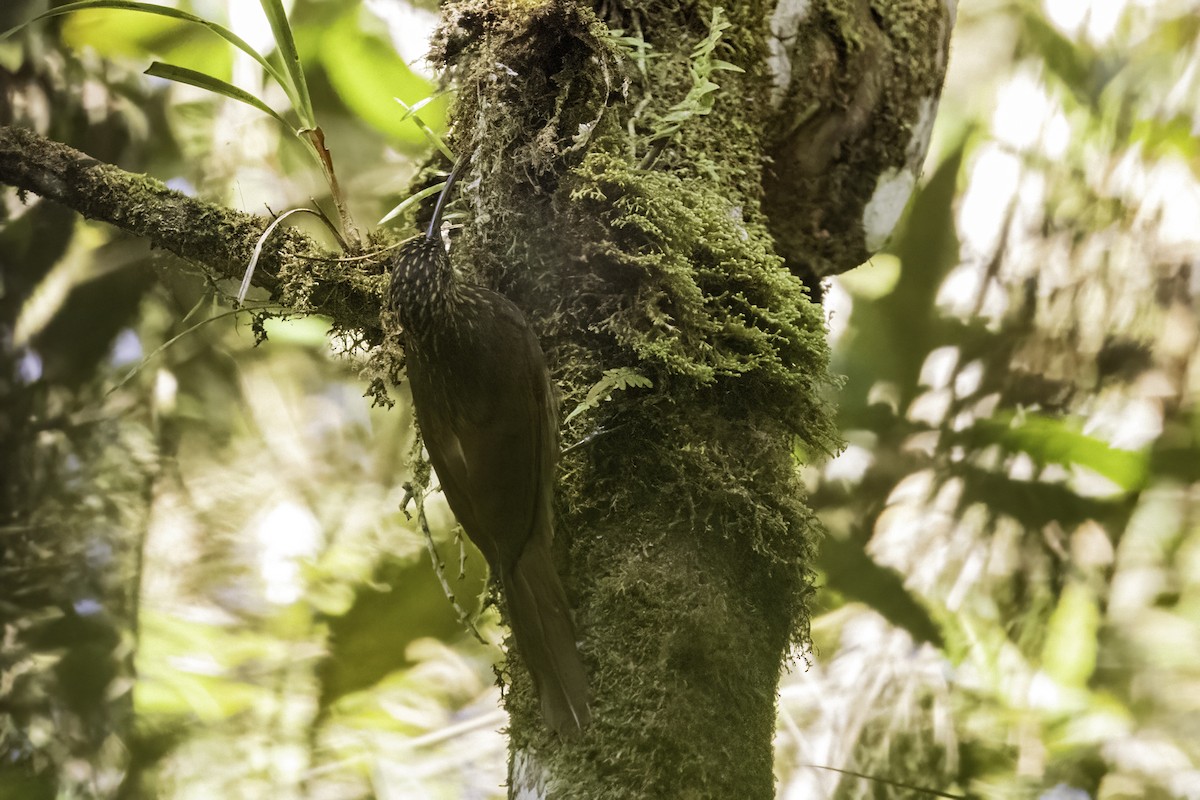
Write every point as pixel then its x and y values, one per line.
pixel 700 294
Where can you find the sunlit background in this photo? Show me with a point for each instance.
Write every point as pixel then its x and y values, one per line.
pixel 218 594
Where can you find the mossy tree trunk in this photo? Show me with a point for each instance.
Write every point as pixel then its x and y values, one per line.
pixel 618 196
pixel 658 215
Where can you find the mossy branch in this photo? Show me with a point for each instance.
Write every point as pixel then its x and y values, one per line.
pixel 293 268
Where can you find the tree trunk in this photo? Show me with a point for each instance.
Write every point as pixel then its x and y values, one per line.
pixel 656 200
pixel 618 197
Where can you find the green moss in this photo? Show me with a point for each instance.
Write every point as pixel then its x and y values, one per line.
pixel 700 293
pixel 668 271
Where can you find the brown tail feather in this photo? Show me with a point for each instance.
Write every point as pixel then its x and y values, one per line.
pixel 541 623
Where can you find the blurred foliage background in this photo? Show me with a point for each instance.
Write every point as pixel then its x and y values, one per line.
pixel 208 587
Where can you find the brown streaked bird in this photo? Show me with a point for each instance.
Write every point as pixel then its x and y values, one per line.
pixel 488 414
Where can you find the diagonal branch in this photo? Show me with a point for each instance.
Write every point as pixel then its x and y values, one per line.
pixel 294 268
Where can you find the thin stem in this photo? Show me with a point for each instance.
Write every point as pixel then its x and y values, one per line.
pixel 316 139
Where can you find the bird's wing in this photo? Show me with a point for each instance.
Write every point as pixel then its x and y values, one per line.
pixel 511 449
pixel 490 425
pixel 441 434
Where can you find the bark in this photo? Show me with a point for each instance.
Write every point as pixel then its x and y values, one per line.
pixel 643 253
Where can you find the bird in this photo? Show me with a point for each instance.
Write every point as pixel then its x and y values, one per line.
pixel 488 414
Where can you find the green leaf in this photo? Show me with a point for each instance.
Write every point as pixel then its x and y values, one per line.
pixel 613 380
pixel 1069 655
pixel 413 198
pixel 166 689
pixel 1054 440
pixel 631 41
pixel 199 79
pixel 286 43
pixel 149 8
pixel 717 63
pixel 134 36
pixel 1073 62
pixel 701 97
pixel 430 134
pixel 1163 137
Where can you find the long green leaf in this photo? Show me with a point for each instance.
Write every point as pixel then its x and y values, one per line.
pixel 408 201
pixel 1055 440
pixel 163 11
pixel 430 134
pixel 215 85
pixel 286 43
